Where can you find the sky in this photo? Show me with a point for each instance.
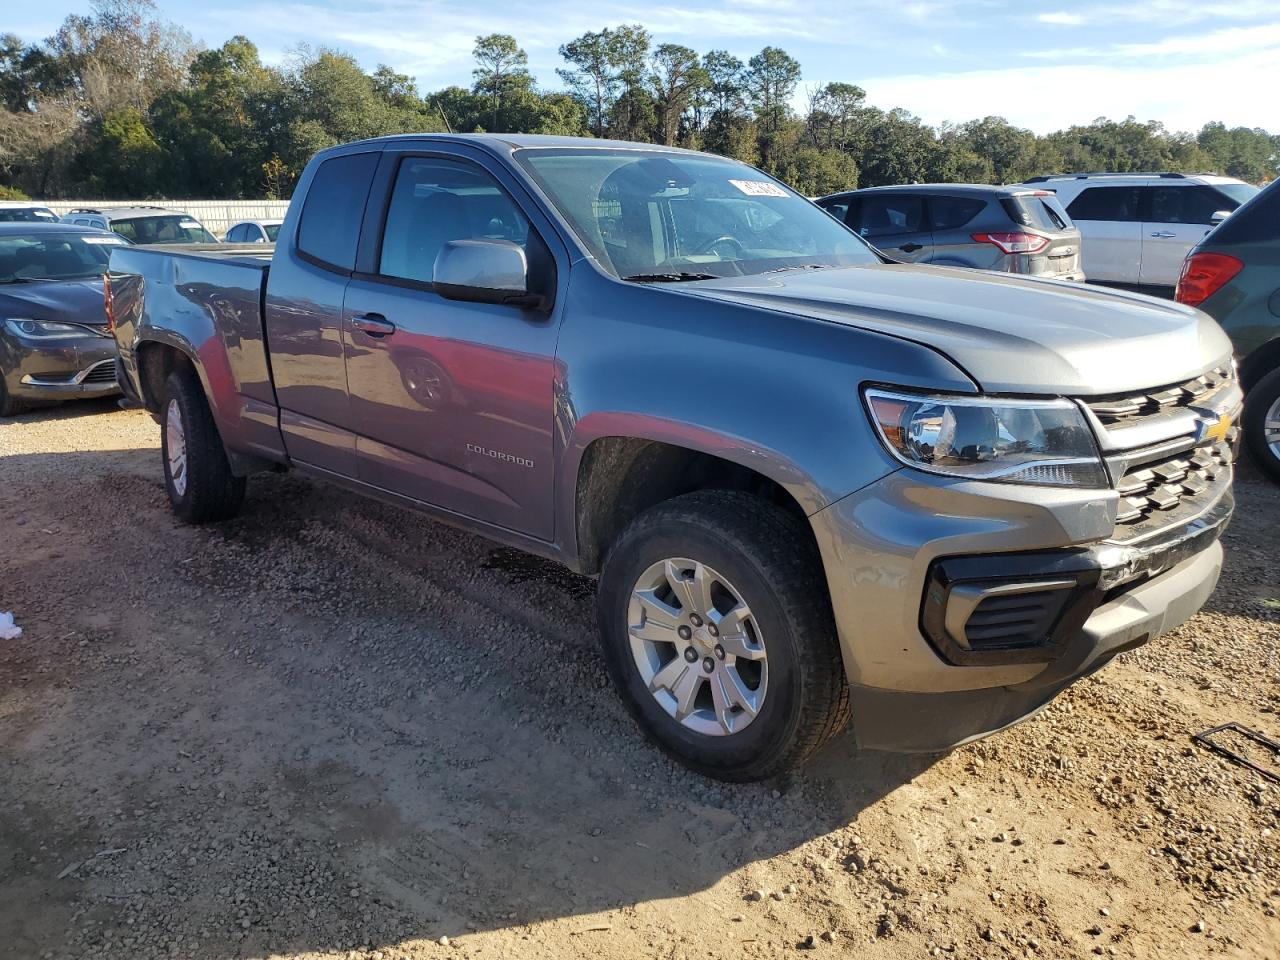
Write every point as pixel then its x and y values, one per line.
pixel 1042 65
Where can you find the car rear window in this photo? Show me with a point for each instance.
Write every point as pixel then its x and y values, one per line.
pixel 1042 210
pixel 334 209
pixel 163 228
pixel 951 213
pixel 1122 204
pixel 1257 221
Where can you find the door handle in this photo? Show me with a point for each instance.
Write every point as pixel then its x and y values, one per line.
pixel 911 247
pixel 374 324
pixel 1164 235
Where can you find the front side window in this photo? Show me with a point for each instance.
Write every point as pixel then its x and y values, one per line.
pixel 236 234
pixel 648 214
pixel 54 256
pixel 885 214
pixel 1188 204
pixel 435 201
pixel 1107 203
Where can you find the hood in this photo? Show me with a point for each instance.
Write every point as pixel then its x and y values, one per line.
pixel 70 301
pixel 1010 334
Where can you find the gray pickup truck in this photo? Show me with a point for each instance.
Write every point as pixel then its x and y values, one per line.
pixel 815 485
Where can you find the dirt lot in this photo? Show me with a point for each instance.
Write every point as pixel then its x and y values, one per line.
pixel 331 729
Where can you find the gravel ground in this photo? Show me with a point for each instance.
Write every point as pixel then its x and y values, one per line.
pixel 333 729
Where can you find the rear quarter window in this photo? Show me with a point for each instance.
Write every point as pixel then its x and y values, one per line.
pixel 951 213
pixel 334 208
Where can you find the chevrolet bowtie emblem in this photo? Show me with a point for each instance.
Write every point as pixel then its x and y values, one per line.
pixel 1214 429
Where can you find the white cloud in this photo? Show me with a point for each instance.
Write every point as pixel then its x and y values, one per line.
pixel 1218 44
pixel 1052 97
pixel 1062 18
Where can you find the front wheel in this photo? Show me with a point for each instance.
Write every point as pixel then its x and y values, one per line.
pixel 197 473
pixel 1261 424
pixel 718 635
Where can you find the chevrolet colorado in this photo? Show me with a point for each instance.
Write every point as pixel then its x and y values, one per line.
pixel 816 486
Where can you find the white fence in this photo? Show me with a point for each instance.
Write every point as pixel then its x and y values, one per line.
pixel 217 215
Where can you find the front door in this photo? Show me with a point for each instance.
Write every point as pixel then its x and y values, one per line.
pixel 452 402
pixel 1177 219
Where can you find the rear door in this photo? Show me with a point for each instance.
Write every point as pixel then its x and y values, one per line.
pixel 895 223
pixel 953 243
pixel 1110 224
pixel 453 401
pixel 1178 215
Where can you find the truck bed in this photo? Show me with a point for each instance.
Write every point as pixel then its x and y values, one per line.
pixel 207 301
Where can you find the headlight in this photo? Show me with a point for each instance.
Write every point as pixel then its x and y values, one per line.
pixel 1045 442
pixel 44 329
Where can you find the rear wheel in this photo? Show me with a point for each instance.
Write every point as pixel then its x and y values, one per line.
pixel 197 473
pixel 1262 424
pixel 718 634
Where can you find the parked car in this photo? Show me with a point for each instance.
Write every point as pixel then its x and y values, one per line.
pixel 253 231
pixel 144 225
pixel 54 341
pixel 1013 229
pixel 24 211
pixel 1138 227
pixel 1233 274
pixel 813 483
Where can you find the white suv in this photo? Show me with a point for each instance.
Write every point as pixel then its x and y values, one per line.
pixel 1137 228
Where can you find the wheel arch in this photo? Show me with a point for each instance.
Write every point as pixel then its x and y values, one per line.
pixel 1259 362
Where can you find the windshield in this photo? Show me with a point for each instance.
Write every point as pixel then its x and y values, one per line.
pixel 54 256
pixel 165 228
pixel 1239 192
pixel 27 215
pixel 273 231
pixel 671 216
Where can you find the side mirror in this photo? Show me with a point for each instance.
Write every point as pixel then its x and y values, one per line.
pixel 484 271
pixel 1218 217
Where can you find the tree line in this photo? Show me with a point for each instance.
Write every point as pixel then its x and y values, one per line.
pixel 122 104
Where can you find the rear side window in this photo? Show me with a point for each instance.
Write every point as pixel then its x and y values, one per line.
pixel 334 207
pixel 883 215
pixel 951 213
pixel 1187 204
pixel 1257 221
pixel 1042 211
pixel 1107 203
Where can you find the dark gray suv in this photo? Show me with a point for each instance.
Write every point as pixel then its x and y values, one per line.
pixel 1012 229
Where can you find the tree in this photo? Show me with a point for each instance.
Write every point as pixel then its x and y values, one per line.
pixel 607 76
pixel 770 80
pixel 833 114
pixel 726 80
pixel 501 69
pixel 677 77
pixel 1249 154
pixel 123 159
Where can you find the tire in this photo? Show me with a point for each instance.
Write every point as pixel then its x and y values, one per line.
pixel 8 405
pixel 1261 404
pixel 197 474
pixel 750 551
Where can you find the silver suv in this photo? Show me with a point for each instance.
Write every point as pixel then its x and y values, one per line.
pixel 1012 229
pixel 144 225
pixel 1139 227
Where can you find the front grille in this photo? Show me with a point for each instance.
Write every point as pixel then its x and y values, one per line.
pixel 1016 620
pixel 1170 488
pixel 104 371
pixel 1125 409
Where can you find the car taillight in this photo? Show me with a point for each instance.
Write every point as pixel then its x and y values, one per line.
pixel 1014 242
pixel 108 305
pixel 1203 274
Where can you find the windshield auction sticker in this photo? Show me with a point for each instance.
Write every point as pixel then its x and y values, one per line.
pixel 102 240
pixel 759 188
